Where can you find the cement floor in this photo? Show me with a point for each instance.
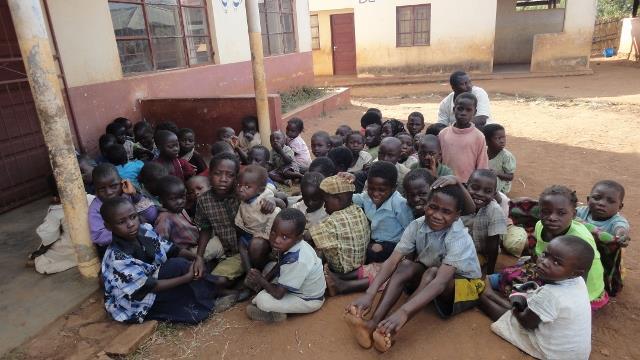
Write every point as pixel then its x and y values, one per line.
pixel 29 301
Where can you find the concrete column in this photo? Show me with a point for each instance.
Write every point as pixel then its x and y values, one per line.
pixel 36 52
pixel 257 64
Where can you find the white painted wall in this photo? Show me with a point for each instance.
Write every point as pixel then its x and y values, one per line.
pixel 303 27
pixel 229 32
pixel 320 5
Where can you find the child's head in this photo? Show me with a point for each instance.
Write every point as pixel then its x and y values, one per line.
pixel 259 155
pixel 337 193
pixel 223 171
pixel 225 133
pixel 371 116
pixel 167 143
pixel 390 150
pixel 196 186
pixel 391 127
pixel 252 181
pixel 310 188
pixel 381 181
pixel 321 143
pixel 294 127
pixel 372 136
pixel 465 109
pixel 416 186
pixel 407 147
pixel 149 175
pixel 355 143
pixel 249 125
pixel 140 126
pixel 144 137
pixel 116 154
pixel 605 200
pixel 128 125
pixel 336 140
pixel 429 151
pixel 86 165
pixel 343 131
pixel 287 230
pixel 172 193
pixel 106 181
pixel 482 187
pixel 415 123
pixel 187 140
pixel 434 129
pixel 120 217
pixel 557 209
pixel 118 130
pixel 565 257
pixel 341 157
pixel 324 166
pixel 277 138
pixel 105 141
pixel 168 126
pixel 444 206
pixel 495 136
pixel 220 147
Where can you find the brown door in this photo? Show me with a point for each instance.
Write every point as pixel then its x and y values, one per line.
pixel 343 40
pixel 24 163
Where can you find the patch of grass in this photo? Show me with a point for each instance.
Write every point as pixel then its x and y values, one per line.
pixel 297 97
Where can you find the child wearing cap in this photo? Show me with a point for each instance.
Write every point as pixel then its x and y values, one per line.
pixel 344 235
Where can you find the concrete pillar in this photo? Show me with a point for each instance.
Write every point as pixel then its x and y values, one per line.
pixel 257 64
pixel 36 52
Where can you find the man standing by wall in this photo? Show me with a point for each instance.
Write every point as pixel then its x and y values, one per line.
pixel 460 82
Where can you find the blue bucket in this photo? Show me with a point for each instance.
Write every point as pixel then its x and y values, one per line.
pixel 608 52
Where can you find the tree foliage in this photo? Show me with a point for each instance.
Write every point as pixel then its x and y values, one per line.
pixel 614 9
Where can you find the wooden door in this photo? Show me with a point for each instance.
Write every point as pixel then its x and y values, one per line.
pixel 343 41
pixel 24 162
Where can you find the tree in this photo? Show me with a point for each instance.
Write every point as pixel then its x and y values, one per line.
pixel 614 9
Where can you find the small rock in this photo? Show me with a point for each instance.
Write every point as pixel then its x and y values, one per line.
pixel 605 352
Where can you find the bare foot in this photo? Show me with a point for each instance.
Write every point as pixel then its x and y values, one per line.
pixel 359 328
pixel 381 341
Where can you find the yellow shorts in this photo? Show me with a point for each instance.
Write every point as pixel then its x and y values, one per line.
pixel 466 295
pixel 230 267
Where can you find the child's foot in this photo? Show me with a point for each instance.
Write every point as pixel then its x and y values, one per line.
pixel 359 328
pixel 335 286
pixel 381 341
pixel 259 315
pixel 251 285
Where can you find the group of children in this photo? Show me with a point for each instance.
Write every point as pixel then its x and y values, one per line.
pixel 388 208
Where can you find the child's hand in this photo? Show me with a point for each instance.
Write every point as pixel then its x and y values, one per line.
pixel 198 268
pixel 128 188
pixel 234 141
pixel 276 146
pixel 433 167
pixel 255 276
pixel 443 181
pixel 349 177
pixel 361 306
pixel 267 206
pixel 622 237
pixel 191 273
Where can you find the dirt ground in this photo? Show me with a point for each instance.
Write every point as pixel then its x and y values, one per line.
pixel 571 131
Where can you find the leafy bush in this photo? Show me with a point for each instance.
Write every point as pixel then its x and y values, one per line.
pixel 299 96
pixel 614 9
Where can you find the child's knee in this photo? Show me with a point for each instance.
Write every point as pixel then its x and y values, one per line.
pixel 259 246
pixel 376 247
pixel 407 269
pixel 265 302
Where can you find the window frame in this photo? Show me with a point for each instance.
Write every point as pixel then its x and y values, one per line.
pixel 413 24
pixel 148 37
pixel 317 26
pixel 266 46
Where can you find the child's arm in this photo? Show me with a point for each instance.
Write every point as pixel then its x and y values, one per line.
pixel 198 264
pixel 527 318
pixel 275 290
pixel 442 181
pixel 50 229
pixel 166 284
pixel 491 253
pixel 504 175
pixel 482 160
pixel 363 303
pixel 286 159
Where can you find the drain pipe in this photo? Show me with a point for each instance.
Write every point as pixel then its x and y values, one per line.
pixel 257 65
pixel 36 52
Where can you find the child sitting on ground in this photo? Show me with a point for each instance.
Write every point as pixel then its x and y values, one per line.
pixel 390 150
pixel 610 229
pixel 144 148
pixel 370 117
pixel 445 271
pixel 120 132
pixel 260 155
pixel 147 277
pixel 320 144
pixel 169 148
pixel 391 127
pixel 302 158
pixel 324 166
pixel 341 157
pixel 104 142
pixel 86 165
pixel 285 169
pixel 372 138
pixel 249 135
pixel 187 141
pixel 464 146
pixel 554 320
pixel 416 186
pixel 149 175
pixel 361 158
pixel 299 286
pixel 415 123
pixel 196 186
pixel 408 157
pixel 501 160
pixel 228 135
pixel 128 170
pixel 128 126
pixel 312 203
pixel 336 140
pixel 343 131
pixel 430 157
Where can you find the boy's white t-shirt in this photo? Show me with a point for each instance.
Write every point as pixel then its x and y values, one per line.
pixel 565 328
pixel 301 272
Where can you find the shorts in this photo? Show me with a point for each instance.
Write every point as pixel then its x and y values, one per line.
pixel 230 267
pixel 369 272
pixel 214 250
pixel 466 295
pixel 380 256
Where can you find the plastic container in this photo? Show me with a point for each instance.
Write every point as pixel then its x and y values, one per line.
pixel 608 52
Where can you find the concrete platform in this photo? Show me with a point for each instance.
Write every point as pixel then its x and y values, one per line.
pixel 30 301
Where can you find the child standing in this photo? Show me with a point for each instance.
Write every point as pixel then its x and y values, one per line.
pixel 415 123
pixel 430 156
pixel 169 149
pixel 554 320
pixel 299 287
pixel 302 157
pixel 312 204
pixel 187 141
pixel 321 144
pixel 249 135
pixel 445 271
pixel 372 138
pixel 501 160
pixel 464 146
pixel 146 277
pixel 361 158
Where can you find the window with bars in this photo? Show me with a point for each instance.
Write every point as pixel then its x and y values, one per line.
pixel 315 32
pixel 276 21
pixel 160 34
pixel 413 25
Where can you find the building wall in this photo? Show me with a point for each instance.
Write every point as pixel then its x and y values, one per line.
pixel 629 39
pixel 568 50
pixel 323 57
pixel 515 31
pixel 464 43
